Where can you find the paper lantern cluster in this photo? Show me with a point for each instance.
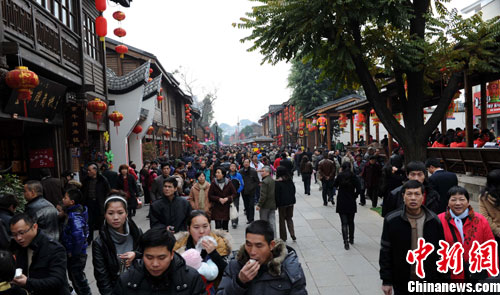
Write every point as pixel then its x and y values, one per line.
pixel 188 140
pixel 160 97
pixel 342 121
pixel 120 32
pixel 188 113
pixel 360 119
pixel 375 118
pixel 23 81
pixel 279 139
pixel 279 120
pixel 322 122
pixel 101 24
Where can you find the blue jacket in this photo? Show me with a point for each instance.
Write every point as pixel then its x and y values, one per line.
pixel 238 177
pixel 76 230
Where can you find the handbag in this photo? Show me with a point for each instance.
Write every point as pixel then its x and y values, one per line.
pixel 233 213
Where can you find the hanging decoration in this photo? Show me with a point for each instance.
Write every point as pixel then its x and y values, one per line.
pixel 118 15
pixel 342 121
pixel 150 131
pixel 120 32
pixel 101 25
pixel 494 91
pixel 375 118
pixel 188 113
pixel 23 81
pixel 159 98
pixel 301 132
pixel 360 119
pixel 322 122
pixel 167 134
pixel 116 117
pixel 121 50
pixel 398 117
pixel 97 107
pixel 109 158
pixel 137 130
pixel 106 136
pixel 288 127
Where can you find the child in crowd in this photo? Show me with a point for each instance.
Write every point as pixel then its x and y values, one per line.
pixel 7 272
pixel 74 239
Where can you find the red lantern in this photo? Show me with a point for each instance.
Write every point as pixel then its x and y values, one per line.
pixel 118 15
pixel 137 130
pixel 101 27
pixel 100 5
pixel 121 49
pixel 167 134
pixel 150 71
pixel 186 105
pixel 159 98
pixel 150 131
pixel 23 81
pixel 116 117
pixel 150 79
pixel 120 32
pixel 97 107
pixel 322 122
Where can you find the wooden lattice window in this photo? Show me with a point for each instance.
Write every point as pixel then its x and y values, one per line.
pixel 63 10
pixel 90 37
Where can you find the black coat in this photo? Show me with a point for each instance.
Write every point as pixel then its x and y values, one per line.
pixel 47 272
pixel 5 217
pixel 101 190
pixel 132 190
pixel 105 259
pixel 14 290
pixel 218 210
pixel 395 243
pixel 288 165
pixel 395 200
pixel 442 181
pixel 349 188
pixel 53 190
pixel 284 192
pixel 112 177
pixel 163 213
pixel 178 279
pixel 250 179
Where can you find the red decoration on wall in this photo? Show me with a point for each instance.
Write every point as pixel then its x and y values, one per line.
pixel 23 81
pixel 137 130
pixel 42 158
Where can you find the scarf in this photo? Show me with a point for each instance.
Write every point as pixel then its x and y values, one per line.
pixel 221 183
pixel 201 197
pixel 458 221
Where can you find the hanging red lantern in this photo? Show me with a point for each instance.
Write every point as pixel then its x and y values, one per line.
pixel 121 50
pixel 150 79
pixel 23 81
pixel 301 132
pixel 150 131
pixel 100 5
pixel 150 71
pixel 120 32
pixel 375 118
pixel 119 15
pixel 97 107
pixel 322 122
pixel 167 134
pixel 116 117
pixel 137 130
pixel 186 105
pixel 101 27
pixel 159 98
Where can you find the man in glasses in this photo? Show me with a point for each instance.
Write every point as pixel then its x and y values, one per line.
pixel 42 260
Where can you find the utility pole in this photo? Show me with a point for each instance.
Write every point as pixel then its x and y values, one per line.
pixel 216 135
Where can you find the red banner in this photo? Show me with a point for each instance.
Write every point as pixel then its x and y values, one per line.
pixel 43 158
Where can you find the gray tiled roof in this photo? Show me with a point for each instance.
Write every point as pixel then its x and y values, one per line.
pixel 152 87
pixel 129 81
pixel 360 102
pixel 333 102
pixel 275 107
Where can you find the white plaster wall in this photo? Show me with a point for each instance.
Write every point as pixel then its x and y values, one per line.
pixel 129 104
pixel 135 140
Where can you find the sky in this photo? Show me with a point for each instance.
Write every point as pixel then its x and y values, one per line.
pixel 197 37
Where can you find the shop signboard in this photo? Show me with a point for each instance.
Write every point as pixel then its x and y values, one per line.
pixel 75 125
pixel 492 98
pixel 41 158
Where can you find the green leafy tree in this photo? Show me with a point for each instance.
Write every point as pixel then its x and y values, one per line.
pixel 393 49
pixel 247 131
pixel 207 110
pixel 11 184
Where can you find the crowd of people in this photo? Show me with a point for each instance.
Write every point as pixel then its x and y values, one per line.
pixel 182 254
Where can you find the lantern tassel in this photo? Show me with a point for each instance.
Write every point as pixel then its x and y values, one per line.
pixel 116 129
pixel 25 109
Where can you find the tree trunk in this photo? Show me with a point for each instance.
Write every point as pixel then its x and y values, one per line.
pixel 415 151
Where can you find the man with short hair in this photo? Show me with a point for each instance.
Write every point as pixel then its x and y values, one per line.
pixel 285 162
pixel 371 175
pixel 52 187
pixel 41 210
pixel 251 181
pixel 161 270
pixel 43 260
pixel 262 265
pixel 267 201
pixel 326 170
pixel 170 211
pixel 401 231
pixel 157 185
pixel 441 181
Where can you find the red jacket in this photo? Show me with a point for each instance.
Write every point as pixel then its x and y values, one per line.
pixel 476 228
pixel 458 144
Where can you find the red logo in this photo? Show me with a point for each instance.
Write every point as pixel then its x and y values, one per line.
pixel 419 255
pixel 451 257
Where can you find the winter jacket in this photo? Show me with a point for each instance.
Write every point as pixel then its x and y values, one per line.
pixel 239 178
pixel 178 279
pixel 267 199
pixel 131 192
pixel 371 174
pixel 282 275
pixel 395 200
pixel 475 228
pixel 105 259
pixel 442 181
pixel 349 188
pixel 191 173
pixel 102 189
pixel 46 215
pixel 112 178
pixel 220 211
pixel 327 169
pixel 395 243
pixel 5 217
pixel 52 190
pixel 194 196
pixel 76 230
pixel 284 193
pixel 307 168
pixel 164 212
pixel 489 210
pixel 47 272
pixel 250 179
pixel 157 187
pixel 288 165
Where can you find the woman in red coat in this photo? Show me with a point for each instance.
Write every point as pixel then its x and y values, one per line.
pixel 461 224
pixel 221 194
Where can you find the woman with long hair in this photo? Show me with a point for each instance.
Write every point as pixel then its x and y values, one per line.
pixel 284 191
pixel 221 194
pixel 489 202
pixel 126 182
pixel 348 187
pixel 306 169
pixel 117 245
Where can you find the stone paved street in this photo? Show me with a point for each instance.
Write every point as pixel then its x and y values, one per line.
pixel 328 267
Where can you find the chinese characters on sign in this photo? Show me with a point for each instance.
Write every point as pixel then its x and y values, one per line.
pixel 42 158
pixel 75 125
pixel 481 257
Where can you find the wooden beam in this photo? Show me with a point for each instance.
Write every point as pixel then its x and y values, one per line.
pixel 468 111
pixel 377 133
pixel 443 125
pixel 352 128
pixel 484 107
pixel 328 133
pixel 389 135
pixel 367 127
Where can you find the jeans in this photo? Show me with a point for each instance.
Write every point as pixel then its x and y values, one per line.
pixel 224 224
pixel 286 215
pixel 76 273
pixel 269 215
pixel 257 194
pixel 347 221
pixel 249 203
pixel 327 191
pixel 372 193
pixel 306 178
pixel 236 202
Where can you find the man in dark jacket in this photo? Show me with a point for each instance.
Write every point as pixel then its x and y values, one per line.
pixel 42 260
pixel 111 176
pixel 263 266
pixel 41 210
pixel 414 171
pixel 401 231
pixel 285 162
pixel 95 189
pixel 251 181
pixel 170 211
pixel 52 187
pixel 161 270
pixel 326 170
pixel 157 185
pixel 441 181
pixel 8 205
pixel 371 176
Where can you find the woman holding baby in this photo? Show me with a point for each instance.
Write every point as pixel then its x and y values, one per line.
pixel 212 245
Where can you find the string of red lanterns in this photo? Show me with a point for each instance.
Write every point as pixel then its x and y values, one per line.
pixel 120 33
pixel 101 24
